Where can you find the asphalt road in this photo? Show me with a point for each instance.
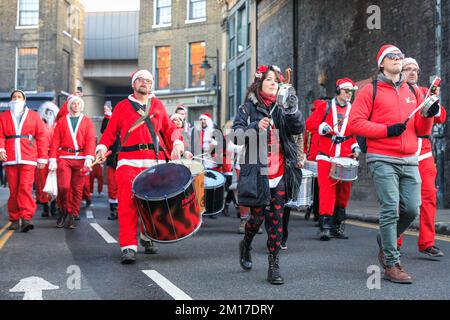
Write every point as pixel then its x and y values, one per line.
pixel 205 266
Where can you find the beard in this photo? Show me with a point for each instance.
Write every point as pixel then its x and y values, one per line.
pixel 142 90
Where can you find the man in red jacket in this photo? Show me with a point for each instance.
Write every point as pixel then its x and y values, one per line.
pixel 427 169
pixel 23 147
pixel 330 121
pixel 133 158
pixel 391 152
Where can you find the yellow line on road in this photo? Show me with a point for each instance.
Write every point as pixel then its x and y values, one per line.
pixel 409 232
pixel 4 227
pixel 5 238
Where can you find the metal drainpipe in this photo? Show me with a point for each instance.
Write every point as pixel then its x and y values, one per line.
pixel 438 137
pixel 294 43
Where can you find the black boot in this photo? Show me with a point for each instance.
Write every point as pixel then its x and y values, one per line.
pixel 112 211
pixel 46 209
pixel 53 208
pixel 15 225
pixel 26 226
pixel 128 256
pixel 338 227
pixel 273 275
pixel 61 221
pixel 325 227
pixel 245 258
pixel 149 246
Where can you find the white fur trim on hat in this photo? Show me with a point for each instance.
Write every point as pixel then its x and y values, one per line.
pixel 176 115
pixel 410 60
pixel 385 52
pixel 348 85
pixel 74 98
pixel 142 73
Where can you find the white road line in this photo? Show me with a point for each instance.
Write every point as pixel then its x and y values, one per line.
pixel 105 235
pixel 165 284
pixel 89 214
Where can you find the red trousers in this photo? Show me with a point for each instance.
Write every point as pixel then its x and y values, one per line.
pixel 70 184
pixel 127 209
pixel 21 203
pixel 427 232
pixel 331 192
pixel 39 183
pixel 87 188
pixel 112 184
pixel 97 173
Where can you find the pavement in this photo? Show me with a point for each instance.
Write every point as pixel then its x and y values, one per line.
pixel 365 211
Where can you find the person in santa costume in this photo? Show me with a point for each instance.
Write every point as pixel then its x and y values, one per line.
pixel 139 151
pixel 379 114
pixel 208 143
pixel 111 165
pixel 427 169
pixel 23 147
pixel 64 110
pixel 47 111
pixel 330 121
pixel 270 160
pixel 72 148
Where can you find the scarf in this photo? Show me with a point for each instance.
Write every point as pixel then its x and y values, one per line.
pixel 268 99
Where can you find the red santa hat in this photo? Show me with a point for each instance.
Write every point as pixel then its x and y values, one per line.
pixel 384 50
pixel 141 73
pixel 205 116
pixel 346 83
pixel 73 98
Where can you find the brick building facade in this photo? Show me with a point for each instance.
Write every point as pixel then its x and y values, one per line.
pixel 41 47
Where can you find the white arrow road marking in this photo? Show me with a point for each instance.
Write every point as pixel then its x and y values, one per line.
pixel 166 285
pixel 105 235
pixel 89 214
pixel 33 287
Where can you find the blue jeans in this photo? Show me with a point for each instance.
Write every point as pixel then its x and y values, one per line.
pixel 398 192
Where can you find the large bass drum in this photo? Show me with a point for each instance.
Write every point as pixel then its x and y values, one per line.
pixel 166 202
pixel 214 192
pixel 198 172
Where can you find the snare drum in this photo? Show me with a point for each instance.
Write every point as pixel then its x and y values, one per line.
pixel 305 195
pixel 344 169
pixel 214 192
pixel 311 166
pixel 166 202
pixel 198 172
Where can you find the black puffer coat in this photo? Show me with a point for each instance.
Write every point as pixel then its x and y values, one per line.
pixel 253 187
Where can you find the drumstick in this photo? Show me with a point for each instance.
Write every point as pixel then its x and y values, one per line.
pixel 85 169
pixel 203 159
pixel 415 110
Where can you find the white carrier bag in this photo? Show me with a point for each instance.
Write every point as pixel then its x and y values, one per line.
pixel 51 185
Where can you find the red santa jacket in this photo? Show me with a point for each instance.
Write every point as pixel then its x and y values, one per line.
pixel 311 138
pixel 23 150
pixel 124 116
pixel 337 119
pixel 63 111
pixel 391 106
pixel 424 144
pixel 68 144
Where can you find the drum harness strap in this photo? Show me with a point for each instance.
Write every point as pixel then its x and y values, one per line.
pixel 327 110
pixel 144 118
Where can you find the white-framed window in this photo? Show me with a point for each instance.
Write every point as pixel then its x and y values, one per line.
pixel 196 11
pixel 196 75
pixel 27 13
pixel 162 68
pixel 162 13
pixel 27 69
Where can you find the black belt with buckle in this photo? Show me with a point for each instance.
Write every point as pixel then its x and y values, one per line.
pixel 30 137
pixel 424 137
pixel 137 147
pixel 71 150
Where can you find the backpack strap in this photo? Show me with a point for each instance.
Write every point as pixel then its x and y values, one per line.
pixel 327 110
pixel 412 89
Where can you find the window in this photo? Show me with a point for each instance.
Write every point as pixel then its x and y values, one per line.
pixel 162 69
pixel 232 36
pixel 27 65
pixel 28 13
pixel 163 12
pixel 65 71
pixel 196 56
pixel 231 87
pixel 241 25
pixel 75 23
pixel 197 9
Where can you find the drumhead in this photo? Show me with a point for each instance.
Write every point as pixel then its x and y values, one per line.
pixel 161 181
pixel 345 161
pixel 195 166
pixel 213 179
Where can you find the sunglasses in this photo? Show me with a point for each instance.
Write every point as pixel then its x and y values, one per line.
pixel 144 80
pixel 393 56
pixel 348 90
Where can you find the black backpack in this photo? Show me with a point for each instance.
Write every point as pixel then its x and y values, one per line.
pixel 362 140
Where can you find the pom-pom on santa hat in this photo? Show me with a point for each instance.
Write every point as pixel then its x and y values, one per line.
pixel 141 73
pixel 346 83
pixel 384 50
